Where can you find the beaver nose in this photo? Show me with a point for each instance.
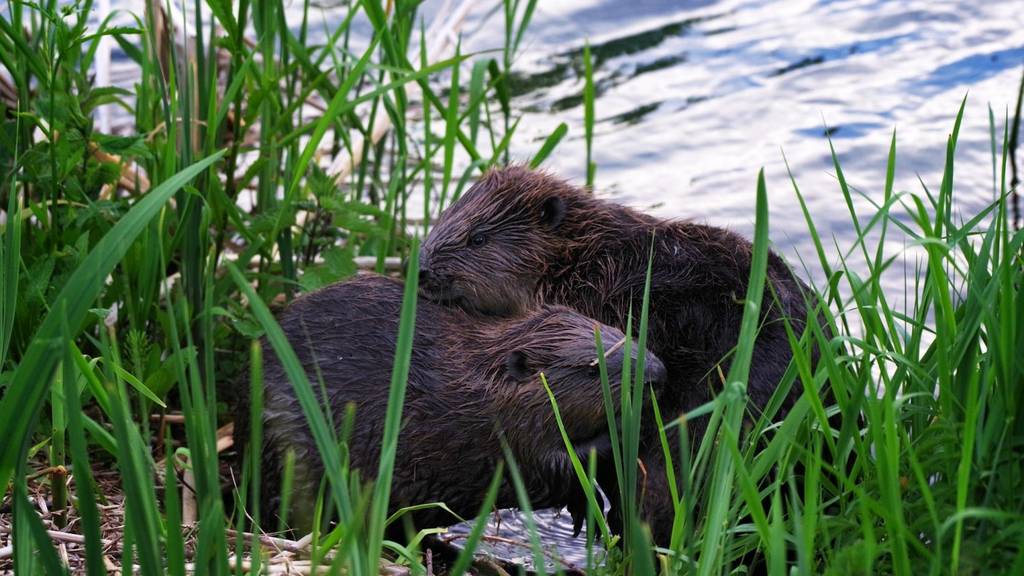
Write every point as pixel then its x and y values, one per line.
pixel 423 273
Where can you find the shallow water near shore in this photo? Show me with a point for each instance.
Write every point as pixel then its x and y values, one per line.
pixel 694 97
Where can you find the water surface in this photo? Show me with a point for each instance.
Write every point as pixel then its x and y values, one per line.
pixel 694 97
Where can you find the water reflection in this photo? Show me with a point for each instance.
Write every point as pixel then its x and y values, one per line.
pixel 693 98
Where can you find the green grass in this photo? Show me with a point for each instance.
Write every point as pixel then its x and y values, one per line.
pixel 123 302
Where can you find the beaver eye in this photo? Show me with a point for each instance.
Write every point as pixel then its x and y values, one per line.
pixel 594 371
pixel 477 240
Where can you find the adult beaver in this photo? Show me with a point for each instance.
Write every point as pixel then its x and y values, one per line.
pixel 520 238
pixel 471 380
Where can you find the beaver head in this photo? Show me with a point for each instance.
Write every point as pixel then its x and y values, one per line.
pixel 490 249
pixel 560 344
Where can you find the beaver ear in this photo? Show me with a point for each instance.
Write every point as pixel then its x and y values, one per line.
pixel 552 212
pixel 517 365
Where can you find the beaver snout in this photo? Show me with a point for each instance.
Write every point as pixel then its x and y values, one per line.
pixel 434 285
pixel 655 372
pixel 425 274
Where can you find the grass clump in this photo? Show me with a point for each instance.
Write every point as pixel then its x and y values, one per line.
pixel 137 265
pixel 910 463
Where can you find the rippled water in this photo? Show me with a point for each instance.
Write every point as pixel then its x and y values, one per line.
pixel 695 97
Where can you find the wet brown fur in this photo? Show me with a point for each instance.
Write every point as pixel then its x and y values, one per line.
pixel 546 241
pixel 471 379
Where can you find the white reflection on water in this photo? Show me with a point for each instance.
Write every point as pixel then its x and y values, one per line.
pixel 695 97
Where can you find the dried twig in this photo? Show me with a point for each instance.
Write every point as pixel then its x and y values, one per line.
pixel 225 437
pixel 391 263
pixel 279 544
pixel 611 350
pixel 168 418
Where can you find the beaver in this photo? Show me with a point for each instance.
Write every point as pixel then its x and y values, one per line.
pixel 519 238
pixel 472 380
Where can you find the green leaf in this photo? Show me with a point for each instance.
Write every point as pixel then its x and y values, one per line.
pixel 134 146
pixel 142 388
pixel 549 145
pixel 396 399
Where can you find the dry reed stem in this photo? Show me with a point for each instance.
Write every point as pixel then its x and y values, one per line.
pixel 610 351
pixel 173 418
pixel 189 508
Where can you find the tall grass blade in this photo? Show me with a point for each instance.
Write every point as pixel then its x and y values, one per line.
pixel 84 484
pixel 396 399
pixel 25 515
pixel 577 465
pixel 537 551
pixel 549 145
pixel 10 254
pixel 739 370
pixel 465 557
pixel 588 112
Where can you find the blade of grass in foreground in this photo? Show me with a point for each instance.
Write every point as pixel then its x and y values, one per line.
pixel 30 385
pixel 588 112
pixel 739 371
pixel 479 525
pixel 396 398
pixel 87 511
pixel 451 125
pixel 172 504
pixel 10 254
pixel 524 504
pixel 577 465
pixel 255 440
pixel 549 145
pixel 141 515
pixel 25 514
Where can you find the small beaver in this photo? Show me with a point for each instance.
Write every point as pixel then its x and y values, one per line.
pixel 471 380
pixel 520 238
